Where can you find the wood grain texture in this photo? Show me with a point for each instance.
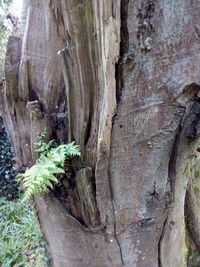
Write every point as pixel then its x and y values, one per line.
pixel 120 78
pixel 149 151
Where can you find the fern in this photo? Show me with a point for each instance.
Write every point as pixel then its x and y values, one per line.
pixel 42 146
pixel 44 174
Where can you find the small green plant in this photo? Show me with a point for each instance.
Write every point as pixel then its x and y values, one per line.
pixel 42 147
pixel 21 242
pixel 51 163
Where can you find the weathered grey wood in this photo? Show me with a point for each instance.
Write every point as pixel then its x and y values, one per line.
pixel 121 78
pixel 24 15
pixel 86 192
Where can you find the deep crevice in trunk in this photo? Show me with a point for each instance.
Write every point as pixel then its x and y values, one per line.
pixel 192 215
pixel 160 263
pixel 170 194
pixel 186 132
pixel 124 45
pixel 172 162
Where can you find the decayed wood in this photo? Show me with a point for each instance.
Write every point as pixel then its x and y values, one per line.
pixel 38 123
pixel 43 86
pixel 14 105
pixel 86 192
pixel 125 97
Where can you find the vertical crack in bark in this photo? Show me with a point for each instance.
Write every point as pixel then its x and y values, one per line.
pixel 160 264
pixel 124 44
pixel 172 162
pixel 171 180
pixel 186 130
pixel 192 215
pixel 113 208
pixel 118 243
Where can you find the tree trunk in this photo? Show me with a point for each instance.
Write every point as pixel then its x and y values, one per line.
pixel 121 78
pixel 24 15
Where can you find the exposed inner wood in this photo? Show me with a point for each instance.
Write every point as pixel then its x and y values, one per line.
pixel 121 78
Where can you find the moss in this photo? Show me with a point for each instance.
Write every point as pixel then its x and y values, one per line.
pixel 197 190
pixel 193 257
pixel 196 187
pixel 192 171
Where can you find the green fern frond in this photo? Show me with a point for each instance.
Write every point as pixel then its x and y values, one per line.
pixel 72 150
pixel 42 147
pixel 44 174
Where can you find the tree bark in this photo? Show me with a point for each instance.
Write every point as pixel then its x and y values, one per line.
pixel 24 15
pixel 121 78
